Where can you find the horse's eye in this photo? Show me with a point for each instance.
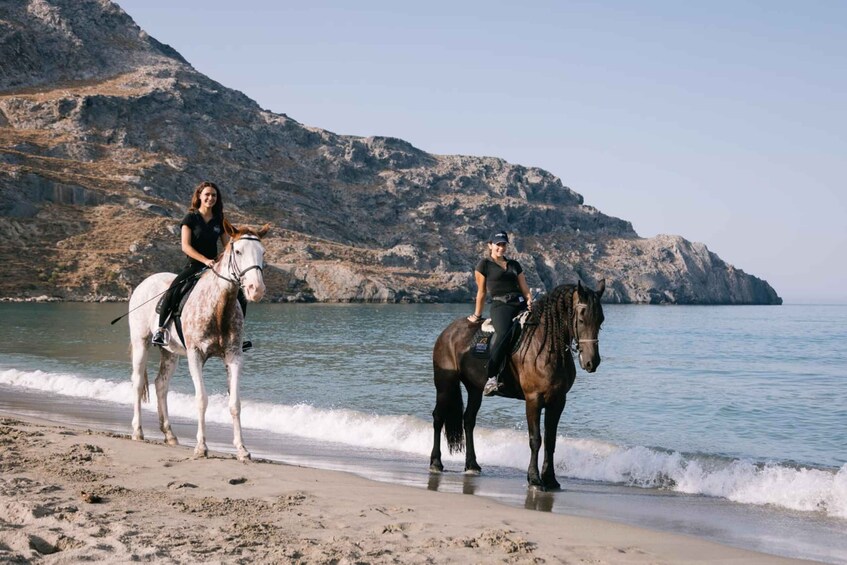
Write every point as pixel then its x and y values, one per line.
pixel 237 252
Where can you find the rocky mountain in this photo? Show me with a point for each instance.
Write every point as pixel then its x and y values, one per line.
pixel 104 132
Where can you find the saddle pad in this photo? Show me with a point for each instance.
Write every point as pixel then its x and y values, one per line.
pixel 481 340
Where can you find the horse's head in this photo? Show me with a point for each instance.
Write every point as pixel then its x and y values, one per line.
pixel 247 259
pixel 587 318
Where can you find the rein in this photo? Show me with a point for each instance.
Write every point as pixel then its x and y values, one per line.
pixel 234 272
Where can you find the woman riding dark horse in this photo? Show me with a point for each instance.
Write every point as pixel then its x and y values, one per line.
pixel 510 295
pixel 540 371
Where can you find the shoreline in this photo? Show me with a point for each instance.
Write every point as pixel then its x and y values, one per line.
pixel 159 503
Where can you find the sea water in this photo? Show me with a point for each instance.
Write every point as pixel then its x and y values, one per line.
pixel 729 422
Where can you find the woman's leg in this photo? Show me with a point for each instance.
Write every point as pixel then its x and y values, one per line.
pixel 168 302
pixel 501 318
pixel 246 345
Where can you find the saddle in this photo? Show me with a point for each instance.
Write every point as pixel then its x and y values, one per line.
pixel 178 300
pixel 481 340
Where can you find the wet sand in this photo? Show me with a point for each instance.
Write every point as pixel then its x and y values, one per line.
pixel 70 494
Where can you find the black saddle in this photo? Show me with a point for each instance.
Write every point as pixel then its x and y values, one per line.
pixel 174 300
pixel 484 335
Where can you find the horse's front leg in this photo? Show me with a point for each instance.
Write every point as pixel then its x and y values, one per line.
pixel 139 384
pixel 233 370
pixel 195 366
pixel 534 404
pixel 552 414
pixel 474 402
pixel 167 365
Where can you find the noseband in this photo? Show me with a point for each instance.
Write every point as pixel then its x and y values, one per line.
pixel 235 274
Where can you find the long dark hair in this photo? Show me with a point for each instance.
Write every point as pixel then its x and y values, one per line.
pixel 217 209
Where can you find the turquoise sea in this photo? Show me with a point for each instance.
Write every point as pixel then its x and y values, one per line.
pixel 725 422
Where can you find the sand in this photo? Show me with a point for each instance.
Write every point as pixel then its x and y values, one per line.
pixel 69 495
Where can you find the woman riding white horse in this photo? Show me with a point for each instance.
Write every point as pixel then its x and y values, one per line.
pixel 212 326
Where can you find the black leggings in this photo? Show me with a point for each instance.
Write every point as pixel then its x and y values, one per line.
pixel 502 314
pixel 191 269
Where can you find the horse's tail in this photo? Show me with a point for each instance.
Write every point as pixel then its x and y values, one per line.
pixel 452 413
pixel 146 386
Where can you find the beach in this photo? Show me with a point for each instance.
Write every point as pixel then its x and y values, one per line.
pixel 70 494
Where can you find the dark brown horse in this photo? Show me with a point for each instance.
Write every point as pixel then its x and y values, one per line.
pixel 541 371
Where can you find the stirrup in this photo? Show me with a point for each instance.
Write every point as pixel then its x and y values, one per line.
pixel 160 338
pixel 492 387
pixel 246 345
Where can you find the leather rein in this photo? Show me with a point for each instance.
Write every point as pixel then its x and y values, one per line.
pixel 236 275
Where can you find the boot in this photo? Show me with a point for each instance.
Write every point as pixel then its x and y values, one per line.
pixel 159 338
pixel 492 387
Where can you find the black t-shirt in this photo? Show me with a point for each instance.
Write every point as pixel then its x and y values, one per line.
pixel 204 236
pixel 500 281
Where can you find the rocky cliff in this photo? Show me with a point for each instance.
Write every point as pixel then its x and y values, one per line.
pixel 104 132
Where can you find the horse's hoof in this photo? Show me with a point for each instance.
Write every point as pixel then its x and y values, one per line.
pixel 244 456
pixel 201 453
pixel 137 436
pixel 535 483
pixel 473 471
pixel 172 440
pixel 436 469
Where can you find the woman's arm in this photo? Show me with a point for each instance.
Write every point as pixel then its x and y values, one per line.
pixel 480 298
pixel 525 290
pixel 190 251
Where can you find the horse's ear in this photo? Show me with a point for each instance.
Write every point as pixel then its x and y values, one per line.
pixel 229 228
pixel 601 286
pixel 263 230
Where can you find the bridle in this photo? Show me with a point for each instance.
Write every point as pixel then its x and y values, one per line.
pixel 236 275
pixel 575 328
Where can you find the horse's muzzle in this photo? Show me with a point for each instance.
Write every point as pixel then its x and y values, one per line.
pixel 254 290
pixel 589 360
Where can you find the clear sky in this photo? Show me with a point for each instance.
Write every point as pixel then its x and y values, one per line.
pixel 724 122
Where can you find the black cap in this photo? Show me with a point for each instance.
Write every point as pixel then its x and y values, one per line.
pixel 499 237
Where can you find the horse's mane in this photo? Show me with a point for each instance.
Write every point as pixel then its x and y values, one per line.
pixel 238 232
pixel 553 311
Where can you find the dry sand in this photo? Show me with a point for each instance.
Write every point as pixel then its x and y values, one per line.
pixel 70 495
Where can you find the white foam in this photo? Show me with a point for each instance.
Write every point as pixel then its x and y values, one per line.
pixel 804 489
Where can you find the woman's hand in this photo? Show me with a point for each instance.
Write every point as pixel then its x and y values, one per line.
pixel 210 263
pixel 474 319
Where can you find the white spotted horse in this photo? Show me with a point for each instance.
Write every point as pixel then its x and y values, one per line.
pixel 212 326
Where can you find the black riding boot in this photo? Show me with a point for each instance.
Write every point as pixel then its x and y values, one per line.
pixel 246 345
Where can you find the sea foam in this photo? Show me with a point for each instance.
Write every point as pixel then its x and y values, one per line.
pixel 744 481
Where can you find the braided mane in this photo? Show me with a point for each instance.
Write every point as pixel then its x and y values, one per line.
pixel 554 312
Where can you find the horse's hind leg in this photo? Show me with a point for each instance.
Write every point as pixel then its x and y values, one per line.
pixel 474 402
pixel 233 370
pixel 139 384
pixel 447 413
pixel 167 365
